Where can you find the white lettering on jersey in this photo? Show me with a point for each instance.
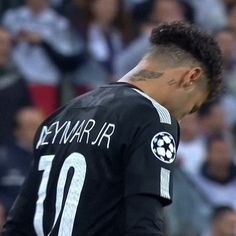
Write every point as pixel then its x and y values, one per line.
pixel 81 131
pixel 78 132
pixel 88 127
pixel 99 134
pixel 67 134
pixel 107 134
pixel 57 129
pixel 42 137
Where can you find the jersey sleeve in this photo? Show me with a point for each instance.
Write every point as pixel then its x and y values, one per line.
pixel 150 160
pixel 145 220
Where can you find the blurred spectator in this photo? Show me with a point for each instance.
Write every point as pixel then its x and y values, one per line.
pixel 231 20
pixel 228 101
pixel 226 41
pixel 233 130
pixel 33 26
pixel 210 14
pixel 191 151
pixel 229 4
pixel 132 3
pixel 213 118
pixel 6 4
pixel 167 11
pixel 57 3
pixel 62 7
pixel 16 157
pixel 147 14
pixel 217 177
pixel 13 89
pixel 223 222
pixel 189 213
pixel 104 25
pixel 127 60
pixel 231 81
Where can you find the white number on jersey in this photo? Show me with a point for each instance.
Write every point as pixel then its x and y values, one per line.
pixel 78 163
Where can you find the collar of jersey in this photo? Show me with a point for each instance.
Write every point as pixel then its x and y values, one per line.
pixel 123 84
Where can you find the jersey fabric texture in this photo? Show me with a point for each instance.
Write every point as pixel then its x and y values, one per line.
pixel 102 167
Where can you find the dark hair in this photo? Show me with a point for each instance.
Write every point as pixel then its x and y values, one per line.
pixel 219 211
pixel 200 45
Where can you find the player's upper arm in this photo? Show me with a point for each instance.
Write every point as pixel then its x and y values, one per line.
pixel 140 215
pixel 151 154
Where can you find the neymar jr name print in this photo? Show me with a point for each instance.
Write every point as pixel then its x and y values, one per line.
pixel 87 131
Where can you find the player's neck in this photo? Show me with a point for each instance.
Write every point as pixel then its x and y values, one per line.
pixel 155 88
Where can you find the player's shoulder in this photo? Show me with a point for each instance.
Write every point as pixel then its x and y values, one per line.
pixel 152 106
pixel 133 102
pixel 121 100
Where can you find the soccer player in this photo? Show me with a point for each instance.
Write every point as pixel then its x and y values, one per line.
pixel 103 163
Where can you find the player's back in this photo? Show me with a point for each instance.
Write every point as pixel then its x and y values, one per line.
pixel 79 145
pixel 77 183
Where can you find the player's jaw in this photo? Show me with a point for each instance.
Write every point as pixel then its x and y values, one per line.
pixel 194 101
pixel 187 102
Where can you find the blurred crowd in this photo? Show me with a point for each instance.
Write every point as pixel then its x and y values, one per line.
pixel 54 50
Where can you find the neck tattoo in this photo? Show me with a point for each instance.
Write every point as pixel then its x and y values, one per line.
pixel 146 74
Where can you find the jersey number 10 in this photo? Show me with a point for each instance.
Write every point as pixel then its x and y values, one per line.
pixel 78 163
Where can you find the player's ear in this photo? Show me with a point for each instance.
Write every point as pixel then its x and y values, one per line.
pixel 191 77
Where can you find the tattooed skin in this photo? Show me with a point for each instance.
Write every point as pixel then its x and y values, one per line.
pixel 146 74
pixel 172 82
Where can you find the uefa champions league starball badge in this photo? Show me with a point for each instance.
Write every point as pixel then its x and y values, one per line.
pixel 163 147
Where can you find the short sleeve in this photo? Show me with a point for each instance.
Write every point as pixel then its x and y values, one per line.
pixel 151 157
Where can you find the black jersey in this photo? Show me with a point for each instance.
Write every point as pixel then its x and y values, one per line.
pixel 92 158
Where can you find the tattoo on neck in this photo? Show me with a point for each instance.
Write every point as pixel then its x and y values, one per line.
pixel 146 74
pixel 172 82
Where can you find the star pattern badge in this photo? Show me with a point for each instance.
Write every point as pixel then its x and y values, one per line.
pixel 163 147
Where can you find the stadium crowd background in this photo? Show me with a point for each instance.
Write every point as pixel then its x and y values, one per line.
pixel 54 50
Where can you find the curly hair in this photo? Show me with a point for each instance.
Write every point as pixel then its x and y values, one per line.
pixel 196 43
